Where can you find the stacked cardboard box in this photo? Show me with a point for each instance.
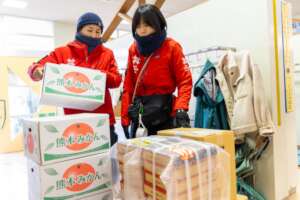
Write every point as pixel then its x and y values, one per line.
pixel 68 157
pixel 170 168
pixel 73 87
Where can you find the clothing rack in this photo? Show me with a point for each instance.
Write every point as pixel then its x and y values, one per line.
pixel 204 52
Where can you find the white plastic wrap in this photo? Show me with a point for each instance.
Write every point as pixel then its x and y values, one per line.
pixel 172 168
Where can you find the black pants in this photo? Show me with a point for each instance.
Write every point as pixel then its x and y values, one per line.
pixel 113 135
pixel 152 130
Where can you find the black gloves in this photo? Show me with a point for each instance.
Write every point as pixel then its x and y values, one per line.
pixel 182 119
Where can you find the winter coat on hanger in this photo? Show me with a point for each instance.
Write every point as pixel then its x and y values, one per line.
pixel 242 86
pixel 210 105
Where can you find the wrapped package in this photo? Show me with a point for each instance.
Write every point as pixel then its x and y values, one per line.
pixel 173 168
pixel 222 138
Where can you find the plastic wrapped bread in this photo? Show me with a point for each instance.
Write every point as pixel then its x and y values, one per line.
pixel 172 168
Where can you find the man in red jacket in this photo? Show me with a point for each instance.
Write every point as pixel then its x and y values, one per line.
pixel 86 51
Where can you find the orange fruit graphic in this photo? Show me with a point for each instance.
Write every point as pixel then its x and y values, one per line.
pixel 76 77
pixel 81 169
pixel 30 142
pixel 80 132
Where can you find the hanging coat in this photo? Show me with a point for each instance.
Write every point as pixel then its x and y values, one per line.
pixel 210 106
pixel 242 85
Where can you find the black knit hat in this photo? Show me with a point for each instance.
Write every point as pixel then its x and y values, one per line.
pixel 89 18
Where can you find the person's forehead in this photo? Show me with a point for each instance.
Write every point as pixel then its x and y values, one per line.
pixel 92 26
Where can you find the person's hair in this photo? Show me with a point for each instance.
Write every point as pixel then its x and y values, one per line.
pixel 151 16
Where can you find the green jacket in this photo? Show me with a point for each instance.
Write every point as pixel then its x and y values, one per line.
pixel 210 112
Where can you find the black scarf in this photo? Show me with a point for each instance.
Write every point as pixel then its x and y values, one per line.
pixel 148 44
pixel 92 43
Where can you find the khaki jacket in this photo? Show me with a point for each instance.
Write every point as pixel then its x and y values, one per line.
pixel 242 86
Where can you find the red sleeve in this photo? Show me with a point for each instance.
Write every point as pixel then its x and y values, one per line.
pixel 128 88
pixel 51 58
pixel 183 79
pixel 114 78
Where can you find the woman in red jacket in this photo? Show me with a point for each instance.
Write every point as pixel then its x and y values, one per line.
pixel 86 51
pixel 156 68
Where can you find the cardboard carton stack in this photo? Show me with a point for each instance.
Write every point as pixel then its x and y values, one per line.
pixel 171 168
pixel 68 157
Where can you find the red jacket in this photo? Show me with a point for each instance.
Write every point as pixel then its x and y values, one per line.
pixel 101 58
pixel 166 71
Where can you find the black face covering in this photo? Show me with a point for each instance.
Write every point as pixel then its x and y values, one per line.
pixel 148 44
pixel 92 43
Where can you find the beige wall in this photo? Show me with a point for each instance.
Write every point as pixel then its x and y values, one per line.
pixel 19 66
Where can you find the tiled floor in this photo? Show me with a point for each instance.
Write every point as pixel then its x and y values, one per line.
pixel 13 173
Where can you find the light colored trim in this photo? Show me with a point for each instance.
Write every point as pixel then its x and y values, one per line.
pixel 141 2
pixel 125 17
pixel 276 52
pixel 159 3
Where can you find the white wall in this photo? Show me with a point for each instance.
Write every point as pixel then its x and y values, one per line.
pixel 297 95
pixel 296 48
pixel 120 48
pixel 64 33
pixel 296 53
pixel 226 23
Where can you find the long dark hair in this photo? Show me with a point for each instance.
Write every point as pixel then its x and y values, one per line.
pixel 151 16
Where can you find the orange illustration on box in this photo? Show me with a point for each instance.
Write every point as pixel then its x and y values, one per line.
pixel 78 177
pixel 82 134
pixel 79 78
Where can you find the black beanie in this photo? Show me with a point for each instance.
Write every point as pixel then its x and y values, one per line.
pixel 89 18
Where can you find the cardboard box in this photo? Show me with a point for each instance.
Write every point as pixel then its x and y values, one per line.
pixel 222 138
pixel 108 195
pixel 55 139
pixel 73 87
pixel 73 179
pixel 241 197
pixel 175 167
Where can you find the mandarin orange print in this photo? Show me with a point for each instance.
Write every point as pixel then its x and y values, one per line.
pixel 82 135
pixel 79 78
pixel 77 171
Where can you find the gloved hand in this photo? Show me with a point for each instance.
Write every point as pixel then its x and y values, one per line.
pixel 182 119
pixel 126 131
pixel 37 71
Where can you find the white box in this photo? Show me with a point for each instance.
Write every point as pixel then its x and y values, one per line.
pixel 73 87
pixel 73 179
pixel 55 139
pixel 101 196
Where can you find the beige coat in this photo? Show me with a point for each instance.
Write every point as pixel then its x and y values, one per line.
pixel 242 86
